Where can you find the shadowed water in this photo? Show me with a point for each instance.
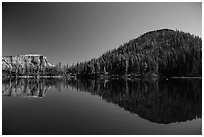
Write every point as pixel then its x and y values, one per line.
pixel 57 106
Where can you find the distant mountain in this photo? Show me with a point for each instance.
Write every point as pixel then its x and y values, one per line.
pixel 162 52
pixel 25 64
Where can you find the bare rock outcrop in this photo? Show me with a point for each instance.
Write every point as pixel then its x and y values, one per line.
pixel 25 62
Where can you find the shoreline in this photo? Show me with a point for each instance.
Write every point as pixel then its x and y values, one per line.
pixel 105 76
pixel 186 77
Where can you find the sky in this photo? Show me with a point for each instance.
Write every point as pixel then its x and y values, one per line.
pixel 75 32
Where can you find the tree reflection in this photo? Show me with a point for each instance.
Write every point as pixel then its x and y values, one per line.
pixel 163 102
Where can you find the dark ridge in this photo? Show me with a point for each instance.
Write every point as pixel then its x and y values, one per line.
pixel 164 52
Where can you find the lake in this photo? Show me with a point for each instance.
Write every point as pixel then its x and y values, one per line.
pixel 101 106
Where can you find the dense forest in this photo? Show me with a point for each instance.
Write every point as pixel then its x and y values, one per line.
pixel 160 53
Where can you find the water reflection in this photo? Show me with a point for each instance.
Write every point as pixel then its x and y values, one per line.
pixel 157 101
pixel 35 88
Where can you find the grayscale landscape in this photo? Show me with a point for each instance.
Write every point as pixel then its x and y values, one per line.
pixel 101 68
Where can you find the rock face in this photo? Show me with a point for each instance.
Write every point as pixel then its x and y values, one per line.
pixel 25 62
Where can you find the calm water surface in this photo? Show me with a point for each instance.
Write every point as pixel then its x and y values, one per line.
pixel 56 106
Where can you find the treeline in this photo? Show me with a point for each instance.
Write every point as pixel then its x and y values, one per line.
pixel 163 52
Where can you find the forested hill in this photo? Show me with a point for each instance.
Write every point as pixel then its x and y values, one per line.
pixel 162 52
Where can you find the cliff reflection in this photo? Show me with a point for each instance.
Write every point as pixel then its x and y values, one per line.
pixel 157 101
pixel 28 87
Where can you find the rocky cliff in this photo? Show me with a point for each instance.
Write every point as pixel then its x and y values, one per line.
pixel 25 63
